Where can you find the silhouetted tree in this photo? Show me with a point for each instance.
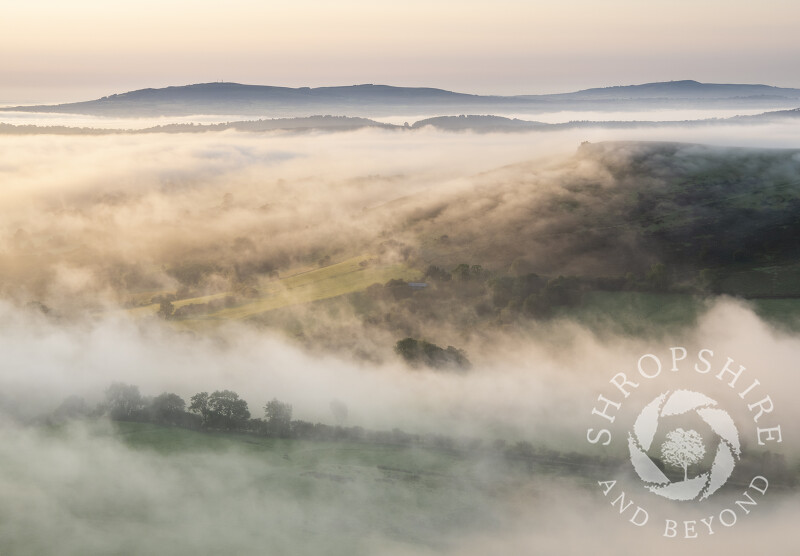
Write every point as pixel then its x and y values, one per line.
pixel 222 409
pixel 437 274
pixel 419 352
pixel 279 417
pixel 124 401
pixel 168 408
pixel 461 272
pixel 199 404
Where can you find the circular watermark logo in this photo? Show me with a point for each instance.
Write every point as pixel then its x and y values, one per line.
pixel 682 446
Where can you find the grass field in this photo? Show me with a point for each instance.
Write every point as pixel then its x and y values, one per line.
pixel 300 455
pixel 348 276
pixel 769 281
pixel 783 312
pixel 635 313
pixel 348 492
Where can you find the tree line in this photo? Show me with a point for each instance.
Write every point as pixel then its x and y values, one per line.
pixel 221 410
pixel 225 411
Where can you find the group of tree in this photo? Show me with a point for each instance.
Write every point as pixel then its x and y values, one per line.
pixel 462 272
pixel 418 353
pixel 526 293
pixel 535 296
pixel 221 410
pixel 225 411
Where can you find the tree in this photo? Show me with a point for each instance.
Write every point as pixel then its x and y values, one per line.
pixel 461 272
pixel 199 404
pixel 398 289
pixel 73 407
pixel 124 401
pixel 682 449
pixel 502 290
pixel 437 274
pixel 557 292
pixel 537 305
pixel 465 272
pixel 279 417
pixel 520 267
pixel 527 285
pixel 168 408
pixel 226 410
pixel 221 409
pixel 408 349
pixel 563 291
pixel 166 309
pixel 476 271
pixel 420 352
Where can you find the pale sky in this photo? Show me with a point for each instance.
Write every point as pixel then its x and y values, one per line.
pixel 54 50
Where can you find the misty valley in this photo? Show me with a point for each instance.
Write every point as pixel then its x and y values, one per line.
pixel 306 334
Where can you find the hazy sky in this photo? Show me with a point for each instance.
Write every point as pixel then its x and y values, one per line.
pixel 55 50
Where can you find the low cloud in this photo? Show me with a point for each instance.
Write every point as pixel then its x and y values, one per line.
pixel 87 221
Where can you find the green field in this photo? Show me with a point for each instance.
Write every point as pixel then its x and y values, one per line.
pixel 638 313
pixel 348 492
pixel 351 458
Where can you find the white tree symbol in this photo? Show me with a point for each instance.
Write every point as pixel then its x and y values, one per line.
pixel 682 449
pixel 680 452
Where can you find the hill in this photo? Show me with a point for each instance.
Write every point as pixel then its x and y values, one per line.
pixel 295 125
pixel 473 123
pixel 666 221
pixel 377 100
pixel 686 89
pixel 485 124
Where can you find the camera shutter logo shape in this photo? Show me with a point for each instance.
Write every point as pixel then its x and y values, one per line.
pixel 683 448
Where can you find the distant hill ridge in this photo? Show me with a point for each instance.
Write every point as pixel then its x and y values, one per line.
pixel 683 89
pixel 328 123
pixel 376 100
pixel 240 91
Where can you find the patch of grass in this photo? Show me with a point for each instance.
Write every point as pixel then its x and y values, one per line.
pixel 770 281
pixel 175 439
pixel 640 313
pixel 785 313
pixel 307 454
pixel 310 497
pixel 352 275
pixel 637 313
pixel 153 307
pixel 331 281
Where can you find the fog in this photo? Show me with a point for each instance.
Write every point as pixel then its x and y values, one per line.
pixel 562 116
pixel 64 495
pixel 65 492
pixel 89 225
pixel 78 212
pixel 539 385
pixel 98 122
